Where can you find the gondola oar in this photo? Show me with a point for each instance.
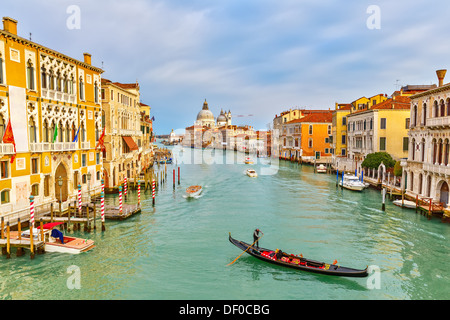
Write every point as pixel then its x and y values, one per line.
pixel 244 251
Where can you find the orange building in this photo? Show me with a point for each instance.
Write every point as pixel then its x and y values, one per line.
pixel 307 138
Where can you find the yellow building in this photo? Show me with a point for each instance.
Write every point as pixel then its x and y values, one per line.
pixel 52 101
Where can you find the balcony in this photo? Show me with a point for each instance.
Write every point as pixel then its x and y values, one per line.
pixel 439 122
pixel 86 145
pixel 6 148
pixel 51 147
pixel 440 169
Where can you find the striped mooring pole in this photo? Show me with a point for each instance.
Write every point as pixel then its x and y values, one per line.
pixel 79 199
pixel 102 208
pixel 139 193
pixel 120 200
pixel 153 192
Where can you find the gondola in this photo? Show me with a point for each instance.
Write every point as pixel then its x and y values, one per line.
pixel 296 262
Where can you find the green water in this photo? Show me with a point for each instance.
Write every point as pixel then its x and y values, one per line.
pixel 180 248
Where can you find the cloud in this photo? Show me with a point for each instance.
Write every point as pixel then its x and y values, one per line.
pixel 255 57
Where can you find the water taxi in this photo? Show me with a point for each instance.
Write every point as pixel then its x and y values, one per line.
pixel 352 182
pixel 193 191
pixel 251 173
pixel 248 161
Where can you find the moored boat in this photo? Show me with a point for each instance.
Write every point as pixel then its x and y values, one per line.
pixel 193 191
pixel 56 241
pixel 352 182
pixel 321 168
pixel 251 173
pixel 405 204
pixel 298 262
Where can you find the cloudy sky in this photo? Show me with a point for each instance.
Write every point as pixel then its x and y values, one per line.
pixel 254 57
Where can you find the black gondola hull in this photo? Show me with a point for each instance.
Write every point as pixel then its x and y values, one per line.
pixel 310 265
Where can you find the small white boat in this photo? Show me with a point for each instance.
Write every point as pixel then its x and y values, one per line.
pixel 251 173
pixel 406 203
pixel 352 182
pixel 321 168
pixel 193 191
pixel 248 161
pixel 55 241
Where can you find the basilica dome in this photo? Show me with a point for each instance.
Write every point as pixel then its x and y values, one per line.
pixel 205 114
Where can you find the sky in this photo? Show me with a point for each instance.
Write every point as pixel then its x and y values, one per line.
pixel 255 58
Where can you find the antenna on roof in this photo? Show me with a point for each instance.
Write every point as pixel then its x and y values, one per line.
pixel 397 85
pixel 30 36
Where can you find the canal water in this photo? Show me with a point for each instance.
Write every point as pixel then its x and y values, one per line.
pixel 180 250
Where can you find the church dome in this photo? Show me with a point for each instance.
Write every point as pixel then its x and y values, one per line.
pixel 205 113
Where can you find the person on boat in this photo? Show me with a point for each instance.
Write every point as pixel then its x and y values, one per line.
pixel 256 237
pixel 278 254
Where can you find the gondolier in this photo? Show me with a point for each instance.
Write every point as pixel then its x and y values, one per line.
pixel 256 237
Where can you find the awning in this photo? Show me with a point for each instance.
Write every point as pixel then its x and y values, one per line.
pixel 50 225
pixel 130 143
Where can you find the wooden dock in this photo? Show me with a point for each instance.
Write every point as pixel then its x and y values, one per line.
pixel 113 212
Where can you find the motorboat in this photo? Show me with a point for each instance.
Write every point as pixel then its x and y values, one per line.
pixel 248 161
pixel 405 203
pixel 55 240
pixel 321 168
pixel 193 191
pixel 251 173
pixel 352 182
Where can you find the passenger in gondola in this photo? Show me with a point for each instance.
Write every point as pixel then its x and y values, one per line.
pixel 278 254
pixel 256 237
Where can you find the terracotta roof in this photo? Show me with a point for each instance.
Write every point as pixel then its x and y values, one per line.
pixel 321 117
pixel 398 103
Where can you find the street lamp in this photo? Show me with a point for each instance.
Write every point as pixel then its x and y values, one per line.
pixel 60 183
pixel 88 176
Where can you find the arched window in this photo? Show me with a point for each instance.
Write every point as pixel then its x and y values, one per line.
pixel 436 109
pixel 81 89
pixel 424 114
pixel 45 131
pixel 51 80
pixel 58 81
pixel 32 126
pixel 5 196
pixel 30 76
pixel 2 125
pixel 442 107
pixel 44 78
pixel 1 69
pixel 65 84
pixel 414 121
pixel 95 92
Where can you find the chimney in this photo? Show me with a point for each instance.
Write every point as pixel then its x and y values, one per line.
pixel 87 58
pixel 441 76
pixel 10 25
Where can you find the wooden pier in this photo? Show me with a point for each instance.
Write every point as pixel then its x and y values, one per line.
pixel 128 210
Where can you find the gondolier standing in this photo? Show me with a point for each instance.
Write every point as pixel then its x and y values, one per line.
pixel 256 236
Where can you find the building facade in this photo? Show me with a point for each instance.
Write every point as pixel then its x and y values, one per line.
pixel 52 103
pixel 124 136
pixel 428 166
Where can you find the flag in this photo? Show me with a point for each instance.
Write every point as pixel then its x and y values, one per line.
pixel 8 137
pixel 76 136
pixel 101 140
pixel 153 118
pixel 56 133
